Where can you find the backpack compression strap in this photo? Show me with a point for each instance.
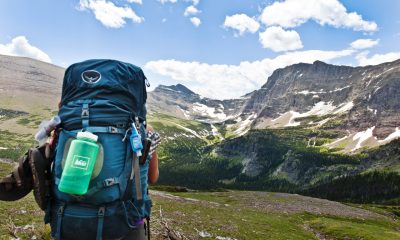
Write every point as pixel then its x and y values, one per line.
pixel 135 172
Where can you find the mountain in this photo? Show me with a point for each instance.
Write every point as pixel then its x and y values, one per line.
pixel 361 103
pixel 30 79
pixel 295 134
pixel 179 101
pixel 361 98
pixel 311 127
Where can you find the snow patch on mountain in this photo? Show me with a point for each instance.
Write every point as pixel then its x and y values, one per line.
pixel 339 89
pixel 374 111
pixel 307 92
pixel 244 126
pixel 185 112
pixel 391 137
pixel 187 129
pixel 358 140
pixel 344 107
pixel 211 112
pixel 361 137
pixel 380 74
pixel 288 119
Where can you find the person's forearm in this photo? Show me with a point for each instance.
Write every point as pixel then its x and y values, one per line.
pixel 153 169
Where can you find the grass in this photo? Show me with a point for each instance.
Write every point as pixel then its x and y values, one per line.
pixel 32 121
pixel 13 145
pixel 342 228
pixel 229 214
pixel 221 215
pixel 8 114
pixel 229 221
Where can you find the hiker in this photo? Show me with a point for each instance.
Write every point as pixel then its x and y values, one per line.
pixel 94 173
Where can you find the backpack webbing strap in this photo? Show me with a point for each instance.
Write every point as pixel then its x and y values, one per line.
pixel 99 129
pixel 135 172
pixel 60 213
pixel 98 186
pixel 102 184
pixel 100 222
pixel 85 116
pixel 139 195
pixel 109 129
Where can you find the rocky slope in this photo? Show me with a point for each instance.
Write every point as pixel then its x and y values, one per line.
pixel 179 101
pixel 362 103
pixel 29 79
pixel 364 100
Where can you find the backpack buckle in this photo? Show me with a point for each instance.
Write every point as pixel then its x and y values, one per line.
pixel 101 212
pixel 109 182
pixel 85 113
pixel 113 130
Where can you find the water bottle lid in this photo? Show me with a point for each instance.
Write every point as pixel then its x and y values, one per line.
pixel 88 135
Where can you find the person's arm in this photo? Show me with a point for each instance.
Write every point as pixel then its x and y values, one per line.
pixel 153 169
pixel 153 166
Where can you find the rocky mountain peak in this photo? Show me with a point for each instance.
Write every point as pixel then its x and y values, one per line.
pixel 179 88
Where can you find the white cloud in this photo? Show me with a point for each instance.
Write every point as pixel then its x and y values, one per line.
pixel 364 60
pixel 231 81
pixel 242 23
pixel 167 1
pixel 277 39
pixel 196 21
pixel 191 10
pixel 135 1
pixel 109 14
pixel 195 2
pixel 293 13
pixel 364 43
pixel 20 46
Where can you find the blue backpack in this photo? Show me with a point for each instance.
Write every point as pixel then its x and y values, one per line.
pixel 104 97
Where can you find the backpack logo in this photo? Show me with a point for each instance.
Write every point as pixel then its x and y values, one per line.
pixel 91 76
pixel 80 162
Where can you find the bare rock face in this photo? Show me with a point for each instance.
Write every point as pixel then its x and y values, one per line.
pixel 372 93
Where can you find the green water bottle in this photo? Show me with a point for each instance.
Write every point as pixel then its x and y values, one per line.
pixel 79 165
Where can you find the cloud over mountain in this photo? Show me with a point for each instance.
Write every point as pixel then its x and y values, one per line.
pixel 364 43
pixel 278 39
pixel 224 81
pixel 20 46
pixel 364 60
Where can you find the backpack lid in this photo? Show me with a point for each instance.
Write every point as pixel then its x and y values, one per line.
pixel 103 79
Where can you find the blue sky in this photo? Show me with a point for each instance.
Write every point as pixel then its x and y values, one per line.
pixel 218 48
